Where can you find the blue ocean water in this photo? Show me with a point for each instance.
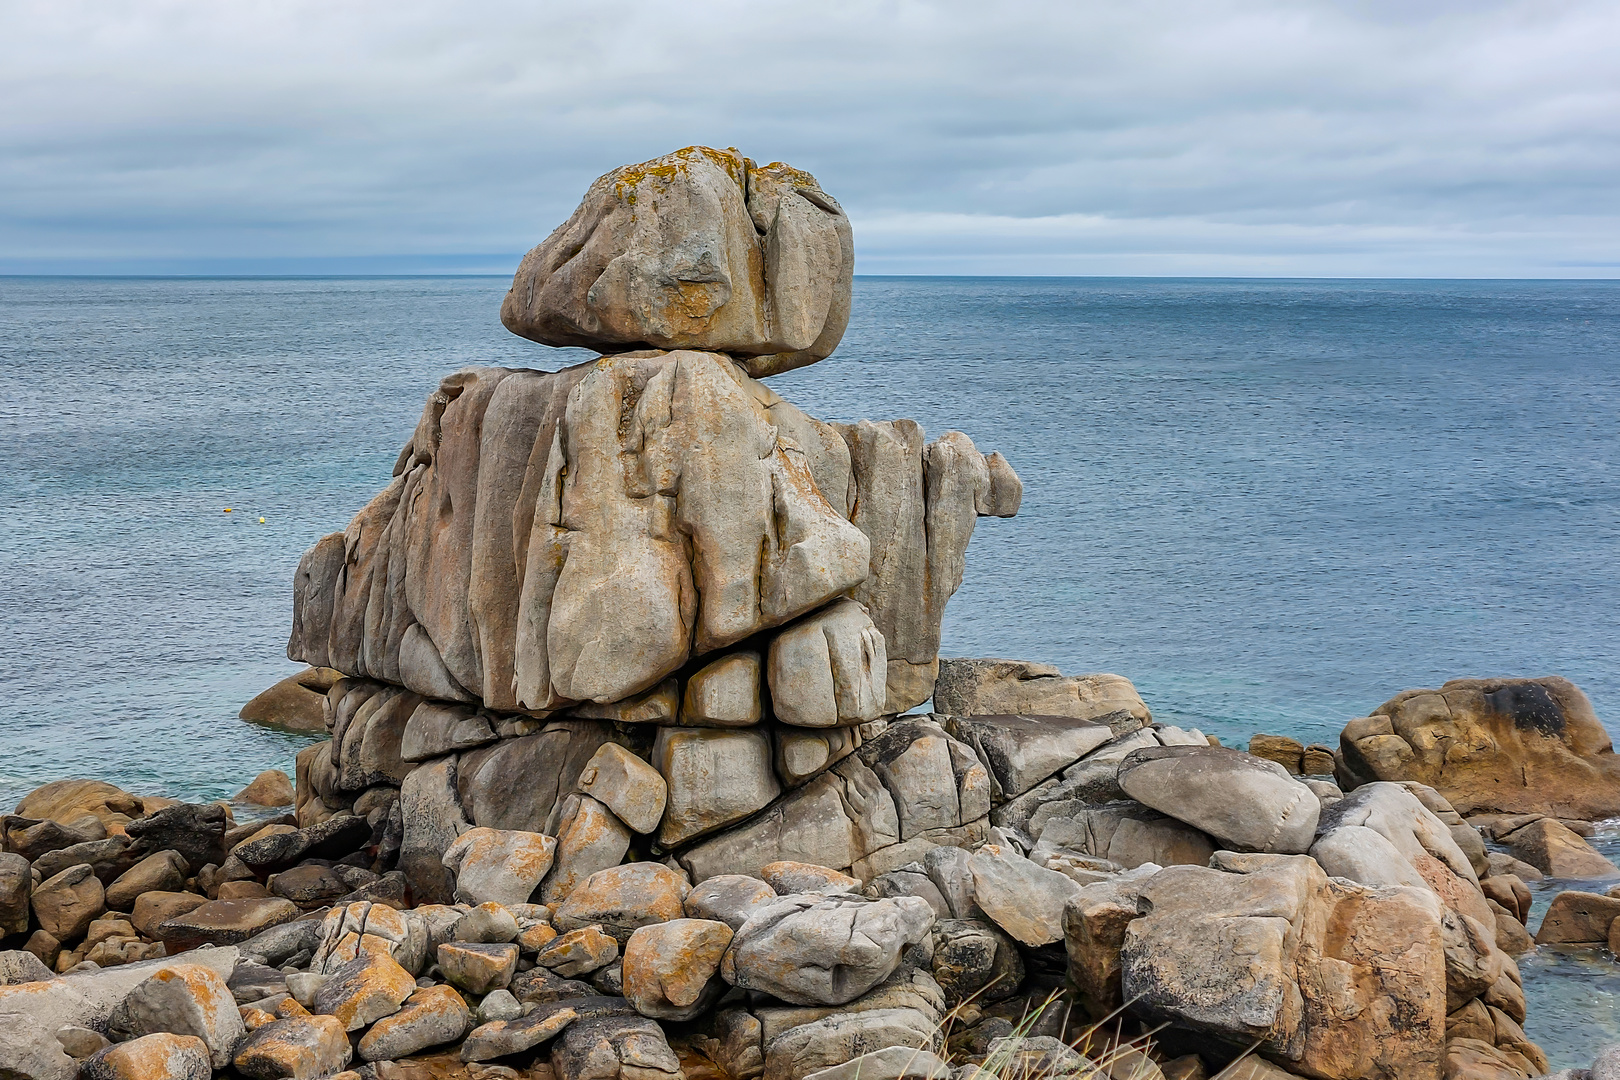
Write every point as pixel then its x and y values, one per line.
pixel 1272 504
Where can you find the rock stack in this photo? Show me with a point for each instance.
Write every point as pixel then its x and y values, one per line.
pixel 622 782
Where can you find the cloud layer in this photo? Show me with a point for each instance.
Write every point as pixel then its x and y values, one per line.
pixel 1161 136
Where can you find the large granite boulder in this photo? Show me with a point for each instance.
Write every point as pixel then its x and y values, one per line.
pixel 1247 803
pixel 1517 746
pixel 699 249
pixel 991 687
pixel 811 949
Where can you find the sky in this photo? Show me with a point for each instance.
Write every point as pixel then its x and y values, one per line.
pixel 1409 138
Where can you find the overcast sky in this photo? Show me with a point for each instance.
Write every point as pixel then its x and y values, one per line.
pixel 1400 138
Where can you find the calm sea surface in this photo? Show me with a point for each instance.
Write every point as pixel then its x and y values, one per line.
pixel 1272 505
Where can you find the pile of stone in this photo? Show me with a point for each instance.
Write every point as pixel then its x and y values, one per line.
pixel 622 780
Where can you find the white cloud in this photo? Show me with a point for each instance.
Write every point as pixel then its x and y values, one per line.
pixel 1153 137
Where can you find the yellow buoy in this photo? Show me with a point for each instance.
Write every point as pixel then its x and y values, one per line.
pixel 227 509
pixel 261 521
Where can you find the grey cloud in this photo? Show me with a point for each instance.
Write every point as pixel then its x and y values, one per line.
pixel 1176 137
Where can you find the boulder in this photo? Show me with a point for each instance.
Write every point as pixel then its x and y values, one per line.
pixel 1557 851
pixel 579 952
pixel 87 998
pixel 1021 688
pixel 716 776
pixel 29 1050
pixel 350 931
pixel 34 839
pixel 296 1048
pixel 431 1016
pixel 626 785
pixel 890 1063
pixel 16 886
pixel 1022 751
pixel 589 838
pixel 1022 898
pixel 71 802
pixel 974 961
pixel 296 703
pixel 224 922
pixel 1491 745
pixel 432 816
pixel 18 966
pixel 671 969
pixel 158 1056
pixel 725 692
pixel 185 999
pixel 109 858
pixel 828 670
pixel 813 950
pixel 1287 752
pixel 436 728
pixel 366 989
pixel 68 902
pixel 787 877
pixel 309 886
pixel 330 839
pixel 1341 981
pixel 1244 802
pixel 498 865
pixel 907 1009
pixel 152 909
pixel 541 985
pixel 623 898
pixel 728 898
pixel 164 871
pixel 697 249
pixel 196 831
pixel 801 753
pixel 487 924
pixel 1578 918
pixel 1094 923
pixel 476 968
pixel 614 1048
pixel 503 1038
pixel 270 788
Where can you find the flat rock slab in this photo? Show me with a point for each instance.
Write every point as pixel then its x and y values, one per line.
pixel 225 922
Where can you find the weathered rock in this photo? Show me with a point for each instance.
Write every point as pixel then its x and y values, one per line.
pixel 16 886
pixel 1018 687
pixel 476 968
pixel 828 670
pixel 1249 956
pixel 1289 753
pixel 164 871
pixel 1502 745
pixel 590 838
pixel 1578 918
pixel 1094 924
pixel 366 989
pixel 30 1051
pixel 224 922
pixel 890 1063
pixel 813 950
pixel 1509 891
pixel 18 966
pixel 331 839
pixel 298 1048
pixel 498 865
pixel 801 753
pixel 540 985
pixel 725 693
pixel 974 961
pixel 88 998
pixel 951 871
pixel 579 952
pixel 152 909
pixel 728 898
pixel 270 788
pixel 697 249
pixel 70 802
pixel 671 969
pixel 787 877
pixel 33 839
pixel 436 728
pixel 609 1047
pixel 1317 760
pixel 252 981
pixel 309 886
pixel 185 999
pixel 66 903
pixel 81 1043
pixel 1021 751
pixel 1022 898
pixel 622 898
pixel 109 858
pixel 487 924
pixel 502 1038
pixel 1125 834
pixel 716 776
pixel 197 832
pixel 906 1010
pixel 1245 802
pixel 626 785
pixel 431 1016
pixel 156 1056
pixel 296 703
pixel 431 811
pixel 1558 852
pixel 351 930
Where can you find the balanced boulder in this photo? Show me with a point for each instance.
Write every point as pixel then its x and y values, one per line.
pixel 1245 802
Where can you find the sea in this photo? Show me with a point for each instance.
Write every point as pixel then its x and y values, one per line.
pixel 1272 504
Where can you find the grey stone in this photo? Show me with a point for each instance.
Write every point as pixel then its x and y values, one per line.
pixel 330 839
pixel 589 838
pixel 499 865
pixel 109 858
pixel 437 728
pixel 725 693
pixel 18 966
pixel 183 999
pixel 626 785
pixel 829 669
pixel 30 1051
pixel 431 1016
pixel 716 776
pixel 1022 751
pixel 890 1063
pixel 951 872
pixel 478 969
pixel 728 898
pixel 812 950
pixel 487 924
pixel 499 1005
pixel 16 884
pixel 81 1043
pixel 603 1048
pixel 1245 802
pixel 1022 898
pixel 250 982
pixel 974 961
pixel 433 818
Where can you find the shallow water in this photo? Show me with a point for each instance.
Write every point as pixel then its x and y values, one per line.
pixel 1273 505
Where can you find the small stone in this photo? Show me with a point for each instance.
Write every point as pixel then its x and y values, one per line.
pixel 626 785
pixel 671 969
pixel 488 924
pixel 21 966
pixel 364 990
pixel 254 1017
pixel 250 982
pixel 81 1043
pixel 728 898
pixel 795 877
pixel 69 902
pixel 298 1048
pixel 270 788
pixel 151 910
pixel 499 1005
pixel 579 952
pixel 431 1016
pixel 304 985
pixel 535 938
pixel 478 969
pixel 541 985
pixel 498 864
pixel 500 1038
pixel 159 1056
pixel 224 922
pixel 609 980
pixel 186 999
pixel 1289 753
pixel 622 898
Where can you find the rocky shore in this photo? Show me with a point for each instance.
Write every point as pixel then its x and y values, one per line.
pixel 621 777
